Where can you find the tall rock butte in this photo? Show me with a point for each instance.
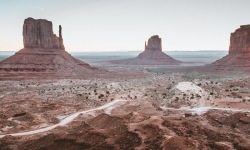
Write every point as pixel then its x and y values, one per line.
pixel 154 43
pixel 39 34
pixel 43 55
pixel 239 51
pixel 240 40
pixel 152 55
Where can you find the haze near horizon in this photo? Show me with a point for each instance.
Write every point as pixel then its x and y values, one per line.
pixel 115 25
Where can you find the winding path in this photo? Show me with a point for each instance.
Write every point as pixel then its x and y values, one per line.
pixel 204 109
pixel 110 106
pixel 65 120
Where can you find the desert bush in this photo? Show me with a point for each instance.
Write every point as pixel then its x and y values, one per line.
pixel 100 96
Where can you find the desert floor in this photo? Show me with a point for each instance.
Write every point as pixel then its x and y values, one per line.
pixel 169 107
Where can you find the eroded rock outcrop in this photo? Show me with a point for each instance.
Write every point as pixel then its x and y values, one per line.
pixel 152 55
pixel 43 55
pixel 154 43
pixel 39 34
pixel 240 40
pixel 238 57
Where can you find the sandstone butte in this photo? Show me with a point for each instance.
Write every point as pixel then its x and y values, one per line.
pixel 239 51
pixel 43 55
pixel 152 55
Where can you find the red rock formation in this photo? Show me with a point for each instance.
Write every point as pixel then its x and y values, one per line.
pixel 240 40
pixel 39 34
pixel 154 43
pixel 43 55
pixel 152 55
pixel 239 51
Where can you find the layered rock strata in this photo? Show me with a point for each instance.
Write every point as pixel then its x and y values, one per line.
pixel 152 55
pixel 154 43
pixel 43 55
pixel 238 57
pixel 39 34
pixel 240 40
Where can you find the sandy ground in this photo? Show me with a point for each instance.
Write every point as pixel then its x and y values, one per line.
pixel 109 106
pixel 168 108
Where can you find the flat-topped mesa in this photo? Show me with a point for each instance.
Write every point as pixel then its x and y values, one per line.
pixel 240 40
pixel 154 43
pixel 38 33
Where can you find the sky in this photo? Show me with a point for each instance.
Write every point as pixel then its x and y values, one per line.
pixel 124 25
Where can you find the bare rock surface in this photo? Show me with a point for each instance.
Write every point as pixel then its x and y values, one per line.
pixel 239 51
pixel 240 40
pixel 154 43
pixel 152 55
pixel 43 55
pixel 39 34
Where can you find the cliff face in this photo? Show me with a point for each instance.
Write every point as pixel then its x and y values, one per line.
pixel 39 34
pixel 152 55
pixel 154 43
pixel 239 51
pixel 240 40
pixel 43 56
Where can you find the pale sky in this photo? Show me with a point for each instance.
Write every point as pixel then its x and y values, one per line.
pixel 124 25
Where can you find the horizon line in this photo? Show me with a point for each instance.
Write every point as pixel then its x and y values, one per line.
pixel 125 51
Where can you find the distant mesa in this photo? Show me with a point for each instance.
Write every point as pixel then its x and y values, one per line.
pixel 239 51
pixel 154 43
pixel 152 55
pixel 43 55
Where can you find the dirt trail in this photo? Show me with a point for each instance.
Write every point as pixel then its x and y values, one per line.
pixel 203 109
pixel 65 120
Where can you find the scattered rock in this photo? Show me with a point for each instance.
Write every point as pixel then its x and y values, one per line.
pixel 19 114
pixel 188 115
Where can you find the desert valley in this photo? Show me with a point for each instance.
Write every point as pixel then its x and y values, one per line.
pixel 52 100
